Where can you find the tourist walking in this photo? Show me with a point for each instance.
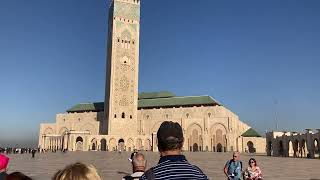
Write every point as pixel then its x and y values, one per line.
pixel 138 166
pixel 253 172
pixel 33 152
pixel 172 164
pixel 4 160
pixel 233 167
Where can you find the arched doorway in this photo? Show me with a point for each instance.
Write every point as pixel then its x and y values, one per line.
pixel 304 150
pixel 94 144
pixel 79 144
pixel 112 144
pixel 281 150
pixel 296 148
pixel 121 145
pixel 218 133
pixel 147 145
pixel 251 148
pixel 316 148
pixel 103 143
pixel 194 133
pixel 291 149
pixel 130 145
pixel 269 148
pixel 219 147
pixel 139 144
pixel 195 147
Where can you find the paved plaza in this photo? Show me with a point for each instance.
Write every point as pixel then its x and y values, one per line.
pixel 113 165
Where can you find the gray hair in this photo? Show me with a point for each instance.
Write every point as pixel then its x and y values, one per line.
pixel 138 160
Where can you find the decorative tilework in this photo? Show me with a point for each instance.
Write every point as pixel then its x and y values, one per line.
pixel 127 11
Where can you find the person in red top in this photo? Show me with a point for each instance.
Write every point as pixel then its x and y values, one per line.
pixel 253 172
pixel 4 160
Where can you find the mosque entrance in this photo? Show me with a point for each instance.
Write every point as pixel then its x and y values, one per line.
pixel 251 147
pixel 219 147
pixel 195 147
pixel 79 144
pixel 121 145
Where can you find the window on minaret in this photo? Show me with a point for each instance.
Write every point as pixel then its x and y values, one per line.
pixel 123 115
pixel 115 116
pixel 130 116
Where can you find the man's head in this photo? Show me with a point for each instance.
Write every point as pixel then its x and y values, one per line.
pixel 236 156
pixel 138 162
pixel 4 160
pixel 170 136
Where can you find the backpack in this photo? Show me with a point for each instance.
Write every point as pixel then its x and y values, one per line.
pixel 238 162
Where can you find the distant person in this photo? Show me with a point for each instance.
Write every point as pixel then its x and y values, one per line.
pixel 138 167
pixel 77 171
pixel 132 155
pixel 17 176
pixel 253 172
pixel 233 167
pixel 33 151
pixel 172 164
pixel 4 161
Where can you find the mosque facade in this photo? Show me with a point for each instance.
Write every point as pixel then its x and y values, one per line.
pixel 127 120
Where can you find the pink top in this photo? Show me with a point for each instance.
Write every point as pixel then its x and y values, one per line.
pixel 253 174
pixel 4 160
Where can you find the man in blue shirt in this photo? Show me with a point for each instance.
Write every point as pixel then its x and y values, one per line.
pixel 172 164
pixel 233 167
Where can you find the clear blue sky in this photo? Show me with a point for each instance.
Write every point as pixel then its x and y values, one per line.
pixel 259 58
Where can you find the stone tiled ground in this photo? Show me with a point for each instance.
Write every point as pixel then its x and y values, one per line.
pixel 112 165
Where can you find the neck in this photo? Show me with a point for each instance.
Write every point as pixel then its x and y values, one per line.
pixel 139 170
pixel 171 152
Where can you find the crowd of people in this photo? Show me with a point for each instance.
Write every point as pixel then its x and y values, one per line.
pixel 15 150
pixel 172 163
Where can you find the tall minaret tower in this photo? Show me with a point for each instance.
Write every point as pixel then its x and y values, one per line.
pixel 121 95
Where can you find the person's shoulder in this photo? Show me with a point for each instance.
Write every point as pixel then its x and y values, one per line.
pixel 148 174
pixel 200 172
pixel 227 162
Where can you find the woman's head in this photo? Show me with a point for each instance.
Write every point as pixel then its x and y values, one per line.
pixel 252 162
pixel 77 171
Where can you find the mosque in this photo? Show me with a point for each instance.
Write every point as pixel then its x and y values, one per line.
pixel 127 120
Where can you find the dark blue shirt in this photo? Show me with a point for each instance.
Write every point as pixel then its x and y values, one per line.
pixel 176 167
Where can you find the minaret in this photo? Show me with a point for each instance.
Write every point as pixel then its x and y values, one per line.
pixel 121 94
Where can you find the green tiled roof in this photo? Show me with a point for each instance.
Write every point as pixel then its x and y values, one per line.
pixel 251 133
pixel 177 101
pixel 153 95
pixel 82 107
pixel 149 102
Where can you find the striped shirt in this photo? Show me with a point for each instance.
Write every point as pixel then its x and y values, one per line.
pixel 176 167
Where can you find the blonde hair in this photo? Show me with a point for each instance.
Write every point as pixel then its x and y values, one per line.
pixel 77 171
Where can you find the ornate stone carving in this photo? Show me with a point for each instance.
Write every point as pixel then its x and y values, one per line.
pixel 123 102
pixel 124 83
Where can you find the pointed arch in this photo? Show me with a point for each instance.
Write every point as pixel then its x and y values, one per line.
pixel 218 134
pixel 194 135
